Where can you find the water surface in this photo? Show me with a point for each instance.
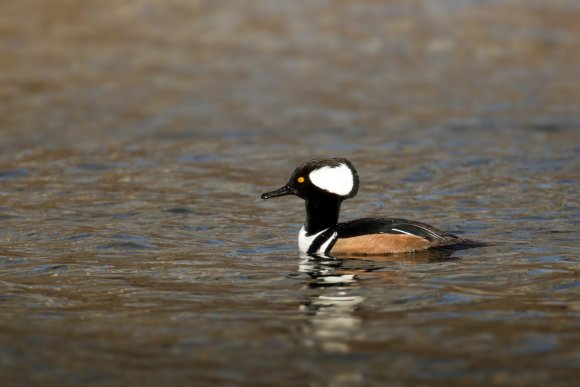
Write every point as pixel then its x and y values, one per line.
pixel 137 139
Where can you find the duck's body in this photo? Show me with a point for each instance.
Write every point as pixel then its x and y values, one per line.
pixel 374 236
pixel 324 184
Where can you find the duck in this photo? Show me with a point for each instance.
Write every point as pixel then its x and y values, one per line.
pixel 324 184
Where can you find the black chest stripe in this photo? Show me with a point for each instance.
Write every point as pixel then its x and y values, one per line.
pixel 322 239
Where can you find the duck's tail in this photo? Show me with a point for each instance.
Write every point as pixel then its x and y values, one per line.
pixel 458 243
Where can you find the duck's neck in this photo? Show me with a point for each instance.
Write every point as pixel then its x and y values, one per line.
pixel 321 213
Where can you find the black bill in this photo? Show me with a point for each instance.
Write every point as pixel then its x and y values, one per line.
pixel 279 192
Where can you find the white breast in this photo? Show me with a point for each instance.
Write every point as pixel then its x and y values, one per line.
pixel 304 241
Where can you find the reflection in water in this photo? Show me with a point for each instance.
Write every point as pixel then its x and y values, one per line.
pixel 333 321
pixel 337 295
pixel 133 244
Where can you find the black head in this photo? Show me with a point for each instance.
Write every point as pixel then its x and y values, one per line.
pixel 315 178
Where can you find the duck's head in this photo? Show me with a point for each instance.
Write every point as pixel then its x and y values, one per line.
pixel 319 178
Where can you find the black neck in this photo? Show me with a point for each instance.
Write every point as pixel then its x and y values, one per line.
pixel 321 213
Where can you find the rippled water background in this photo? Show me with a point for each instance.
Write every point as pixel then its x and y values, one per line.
pixel 137 136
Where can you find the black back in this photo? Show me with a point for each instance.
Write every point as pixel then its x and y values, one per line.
pixel 367 226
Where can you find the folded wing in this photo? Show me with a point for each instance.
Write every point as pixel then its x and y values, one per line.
pixel 370 236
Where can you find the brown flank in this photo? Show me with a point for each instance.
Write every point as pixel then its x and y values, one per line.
pixel 377 244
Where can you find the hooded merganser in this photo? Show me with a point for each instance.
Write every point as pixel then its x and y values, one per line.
pixel 324 184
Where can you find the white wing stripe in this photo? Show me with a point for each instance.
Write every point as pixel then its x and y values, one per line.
pixel 422 228
pixel 429 232
pixel 403 232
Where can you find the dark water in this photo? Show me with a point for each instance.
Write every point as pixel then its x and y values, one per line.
pixel 137 138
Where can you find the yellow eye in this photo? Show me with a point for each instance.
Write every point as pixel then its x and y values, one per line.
pixel 300 179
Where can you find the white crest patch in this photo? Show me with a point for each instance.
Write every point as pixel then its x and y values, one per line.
pixel 337 180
